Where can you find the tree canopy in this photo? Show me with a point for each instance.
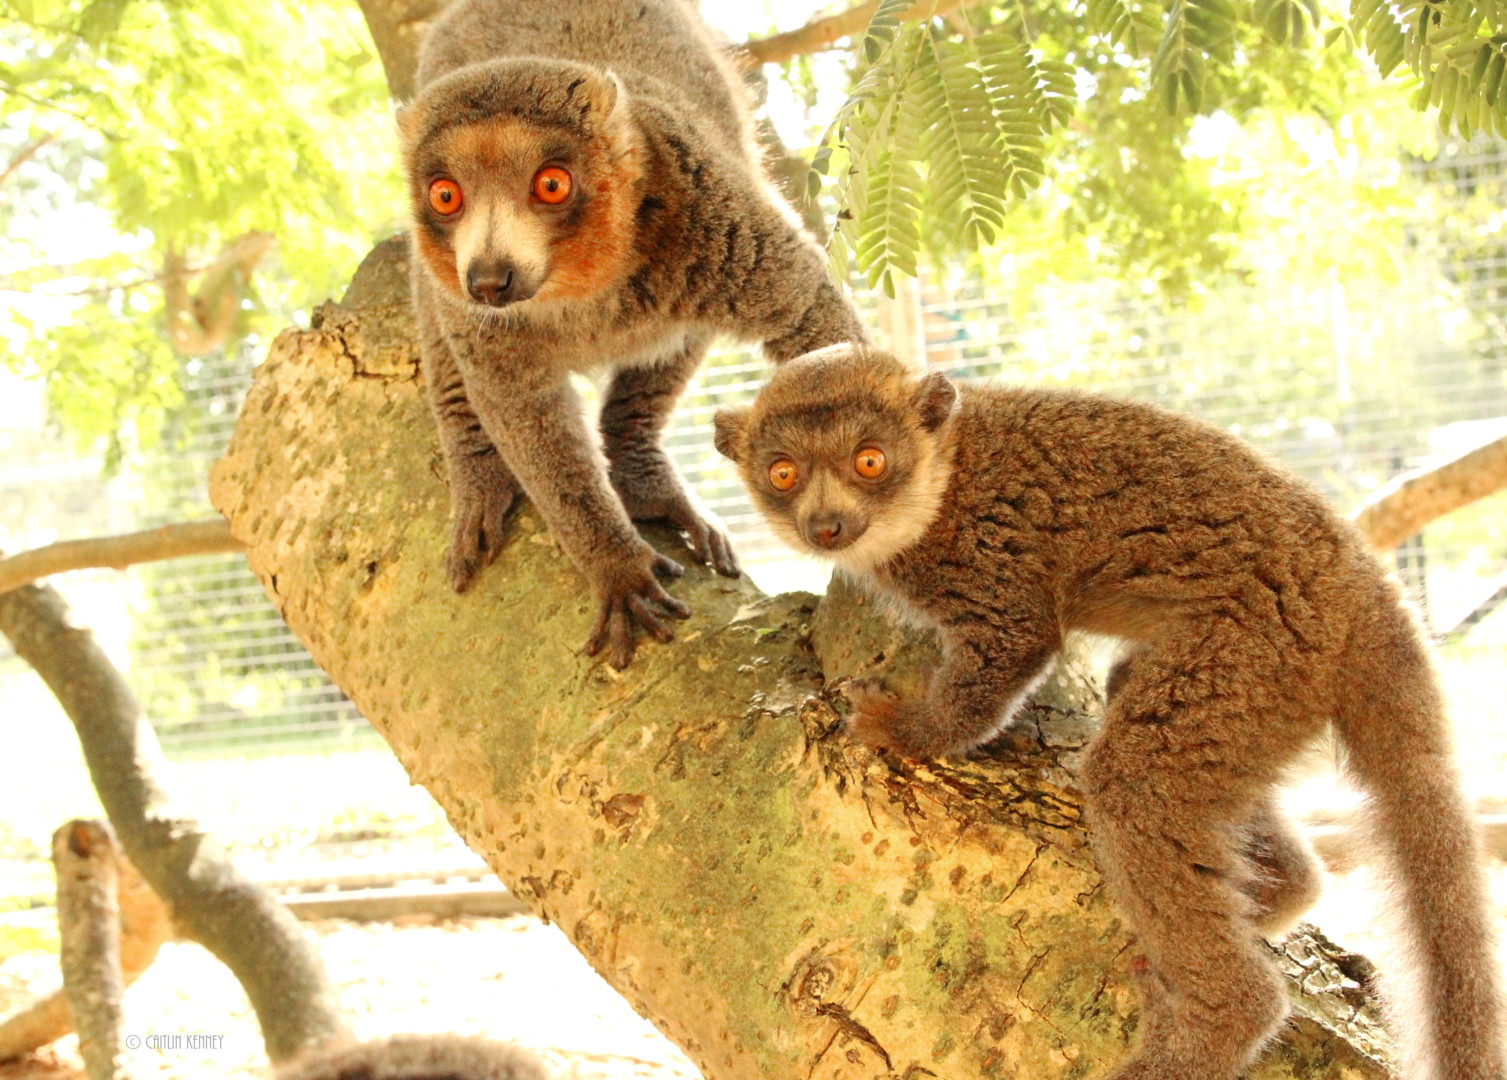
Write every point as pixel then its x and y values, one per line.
pixel 178 179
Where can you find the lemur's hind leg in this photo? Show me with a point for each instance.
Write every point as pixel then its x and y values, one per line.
pixel 635 409
pixel 1193 739
pixel 1288 877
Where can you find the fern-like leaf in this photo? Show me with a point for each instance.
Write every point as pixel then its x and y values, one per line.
pixel 889 236
pixel 952 112
pixel 1132 25
pixel 1287 22
pixel 1196 30
pixel 1020 109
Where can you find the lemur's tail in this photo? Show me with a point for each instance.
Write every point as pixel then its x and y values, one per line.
pixel 1446 1009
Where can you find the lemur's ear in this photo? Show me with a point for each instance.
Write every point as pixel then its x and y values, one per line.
pixel 598 96
pixel 407 118
pixel 727 431
pixel 934 399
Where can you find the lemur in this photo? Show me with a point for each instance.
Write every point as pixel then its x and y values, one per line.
pixel 586 197
pixel 1255 617
pixel 416 1057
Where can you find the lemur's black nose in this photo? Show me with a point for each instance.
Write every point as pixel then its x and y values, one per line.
pixel 833 532
pixel 495 283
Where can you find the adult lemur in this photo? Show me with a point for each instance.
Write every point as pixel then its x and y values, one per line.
pixel 1256 618
pixel 586 197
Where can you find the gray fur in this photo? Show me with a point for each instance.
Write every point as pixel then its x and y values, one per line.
pixel 672 237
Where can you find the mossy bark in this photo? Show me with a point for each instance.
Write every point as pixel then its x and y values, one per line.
pixel 780 902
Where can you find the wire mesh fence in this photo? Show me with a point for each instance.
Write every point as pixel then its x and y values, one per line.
pixel 1348 384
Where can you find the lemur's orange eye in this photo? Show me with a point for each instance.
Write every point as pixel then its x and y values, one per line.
pixel 869 463
pixel 783 475
pixel 444 197
pixel 552 185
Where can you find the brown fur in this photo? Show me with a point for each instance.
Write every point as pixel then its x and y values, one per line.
pixel 1255 617
pixel 416 1057
pixel 670 237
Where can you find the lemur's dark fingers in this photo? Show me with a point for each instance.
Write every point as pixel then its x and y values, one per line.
pixel 614 632
pixel 675 609
pixel 650 620
pixel 476 536
pixel 665 566
pixel 621 653
pixel 722 558
pixel 706 542
pixel 599 629
pixel 460 569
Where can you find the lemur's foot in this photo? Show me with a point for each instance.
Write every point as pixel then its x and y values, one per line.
pixel 630 593
pixel 477 518
pixel 886 721
pixel 655 494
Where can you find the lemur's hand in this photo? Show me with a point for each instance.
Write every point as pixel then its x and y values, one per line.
pixel 629 593
pixel 479 507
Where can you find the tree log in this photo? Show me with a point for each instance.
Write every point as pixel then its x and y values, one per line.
pixel 211 902
pixel 825 31
pixel 780 902
pixel 144 926
pixel 1403 507
pixel 83 854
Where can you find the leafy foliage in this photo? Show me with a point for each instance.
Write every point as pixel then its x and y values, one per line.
pixel 937 129
pixel 167 131
pixel 952 121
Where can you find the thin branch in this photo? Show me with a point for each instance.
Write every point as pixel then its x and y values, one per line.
pixel 144 926
pixel 210 900
pixel 118 552
pixel 251 245
pixel 1403 507
pixel 43 103
pixel 1481 611
pixel 26 154
pixel 825 31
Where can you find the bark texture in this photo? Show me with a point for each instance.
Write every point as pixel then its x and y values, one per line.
pixel 396 27
pixel 780 902
pixel 88 874
pixel 211 902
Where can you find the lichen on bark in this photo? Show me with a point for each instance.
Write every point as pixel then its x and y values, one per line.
pixel 780 902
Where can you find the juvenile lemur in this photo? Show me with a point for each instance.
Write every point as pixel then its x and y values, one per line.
pixel 586 196
pixel 416 1057
pixel 1255 619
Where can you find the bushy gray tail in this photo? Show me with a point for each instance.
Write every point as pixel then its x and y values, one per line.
pixel 1446 1009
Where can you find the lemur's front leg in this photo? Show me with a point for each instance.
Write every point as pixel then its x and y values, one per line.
pixel 988 669
pixel 535 417
pixel 788 296
pixel 482 487
pixel 638 404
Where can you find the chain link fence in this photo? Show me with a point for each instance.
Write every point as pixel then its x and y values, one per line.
pixel 1348 384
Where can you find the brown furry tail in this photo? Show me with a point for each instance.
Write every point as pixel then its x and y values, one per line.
pixel 1447 1010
